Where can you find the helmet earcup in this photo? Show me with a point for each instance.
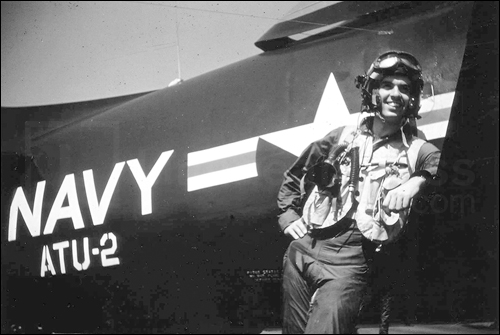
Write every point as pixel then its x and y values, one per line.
pixel 411 105
pixel 414 106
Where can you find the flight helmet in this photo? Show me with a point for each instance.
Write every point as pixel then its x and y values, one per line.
pixel 391 63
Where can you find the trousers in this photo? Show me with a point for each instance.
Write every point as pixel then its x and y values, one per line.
pixel 324 280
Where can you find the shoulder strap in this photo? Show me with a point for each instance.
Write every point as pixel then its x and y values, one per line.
pixel 348 134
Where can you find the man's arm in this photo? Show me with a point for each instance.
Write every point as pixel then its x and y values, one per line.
pixel 426 168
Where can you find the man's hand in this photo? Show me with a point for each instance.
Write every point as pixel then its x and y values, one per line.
pixel 297 229
pixel 400 197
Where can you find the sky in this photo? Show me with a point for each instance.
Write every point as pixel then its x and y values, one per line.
pixel 61 51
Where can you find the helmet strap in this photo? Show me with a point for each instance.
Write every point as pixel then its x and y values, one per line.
pixel 378 113
pixel 403 136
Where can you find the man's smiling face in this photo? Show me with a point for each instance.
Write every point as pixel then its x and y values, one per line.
pixel 394 97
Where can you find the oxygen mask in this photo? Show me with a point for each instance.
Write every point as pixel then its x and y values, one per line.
pixel 326 174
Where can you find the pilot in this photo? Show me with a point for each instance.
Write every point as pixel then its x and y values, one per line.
pixel 348 195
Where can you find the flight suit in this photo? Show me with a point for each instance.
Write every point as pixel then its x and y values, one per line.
pixel 325 273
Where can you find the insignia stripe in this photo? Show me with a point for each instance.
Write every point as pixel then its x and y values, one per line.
pixel 222 177
pixel 221 164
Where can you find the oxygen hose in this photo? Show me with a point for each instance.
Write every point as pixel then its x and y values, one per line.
pixel 354 177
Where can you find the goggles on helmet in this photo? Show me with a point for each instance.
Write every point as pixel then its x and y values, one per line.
pixel 392 60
